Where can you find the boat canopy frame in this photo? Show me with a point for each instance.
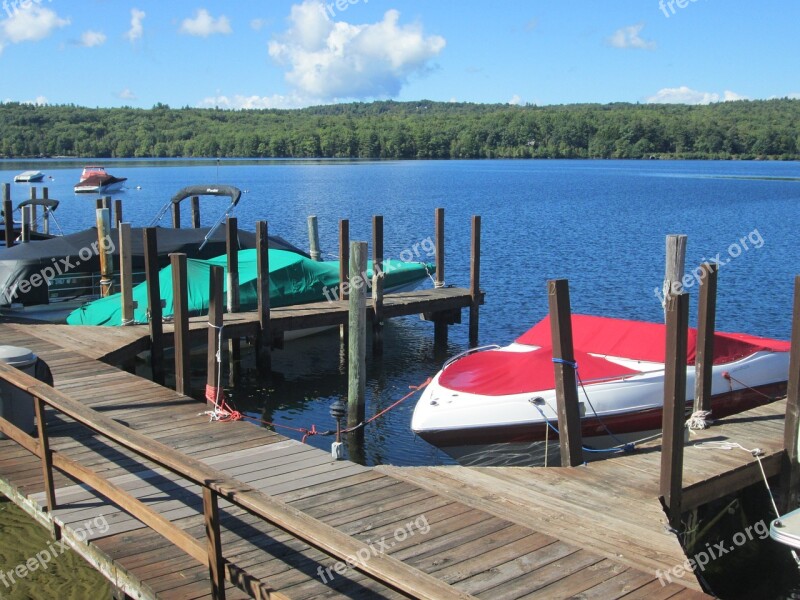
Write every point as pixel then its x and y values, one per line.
pixel 229 191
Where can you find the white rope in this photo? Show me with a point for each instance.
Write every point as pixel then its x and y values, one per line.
pixel 218 413
pixel 699 420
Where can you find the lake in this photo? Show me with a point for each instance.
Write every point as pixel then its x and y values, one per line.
pixel 600 224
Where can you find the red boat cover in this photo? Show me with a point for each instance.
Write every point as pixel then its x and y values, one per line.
pixel 498 373
pixel 638 340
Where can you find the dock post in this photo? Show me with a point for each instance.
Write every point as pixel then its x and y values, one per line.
pixel 790 469
pixel 181 323
pixel 475 281
pixel 25 225
pixel 176 215
pixel 344 259
pixel 215 304
pixel 154 304
pixel 196 212
pixel 126 273
pixel 264 339
pixel 47 461
pixel 569 418
pixel 377 285
pixel 357 371
pixel 117 212
pixel 440 322
pixel 45 212
pixel 103 219
pixel 232 250
pixel 706 323
pixel 313 239
pixel 8 215
pixel 34 227
pixel 675 267
pixel 216 564
pixel 674 406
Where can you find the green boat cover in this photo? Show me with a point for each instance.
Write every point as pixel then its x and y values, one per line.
pixel 293 279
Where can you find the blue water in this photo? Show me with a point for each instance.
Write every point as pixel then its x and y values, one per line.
pixel 601 224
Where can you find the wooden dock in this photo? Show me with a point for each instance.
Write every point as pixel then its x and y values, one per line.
pixel 512 533
pixel 114 345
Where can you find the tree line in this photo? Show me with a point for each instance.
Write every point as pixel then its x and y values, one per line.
pixel 761 129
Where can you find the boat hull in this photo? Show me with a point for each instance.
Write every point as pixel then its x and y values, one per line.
pixel 465 424
pixel 99 188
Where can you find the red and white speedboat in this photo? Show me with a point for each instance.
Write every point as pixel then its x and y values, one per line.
pixel 96 180
pixel 493 406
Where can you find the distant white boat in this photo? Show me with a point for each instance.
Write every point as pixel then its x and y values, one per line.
pixel 29 176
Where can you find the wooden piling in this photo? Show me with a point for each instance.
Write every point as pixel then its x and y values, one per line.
pixel 107 202
pixel 674 269
pixel 475 281
pixel 377 284
pixel 176 215
pixel 706 322
pixel 98 203
pixel 103 219
pixel 264 341
pixel 8 215
pixel 154 304
pixel 215 305
pixel 440 321
pixel 568 408
pixel 196 212
pixel 25 225
pixel 34 218
pixel 313 239
pixel 344 259
pixel 117 212
pixel 671 483
pixel 232 251
pixel 126 273
pixel 181 324
pixel 45 212
pixel 790 469
pixel 357 344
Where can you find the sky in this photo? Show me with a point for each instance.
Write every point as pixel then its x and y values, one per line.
pixel 290 54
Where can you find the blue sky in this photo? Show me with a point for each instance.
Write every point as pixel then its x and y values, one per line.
pixel 290 54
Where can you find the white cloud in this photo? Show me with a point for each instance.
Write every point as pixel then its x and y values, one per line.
pixel 137 29
pixel 628 37
pixel 90 39
pixel 239 102
pixel 29 23
pixel 259 24
pixel 335 60
pixel 126 94
pixel 686 95
pixel 532 24
pixel 794 96
pixel 204 25
pixel 38 101
pixel 515 100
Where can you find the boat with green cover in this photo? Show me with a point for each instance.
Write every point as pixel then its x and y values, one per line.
pixel 293 279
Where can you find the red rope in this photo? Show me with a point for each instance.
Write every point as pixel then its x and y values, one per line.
pixel 228 414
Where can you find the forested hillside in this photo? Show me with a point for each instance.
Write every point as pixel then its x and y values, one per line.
pixel 404 130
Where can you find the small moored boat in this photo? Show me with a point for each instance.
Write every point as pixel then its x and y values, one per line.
pixel 29 177
pixel 495 406
pixel 96 180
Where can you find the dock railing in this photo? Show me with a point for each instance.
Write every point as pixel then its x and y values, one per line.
pixel 215 484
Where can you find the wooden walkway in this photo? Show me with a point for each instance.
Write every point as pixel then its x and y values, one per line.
pixel 612 507
pixel 116 344
pixel 479 542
